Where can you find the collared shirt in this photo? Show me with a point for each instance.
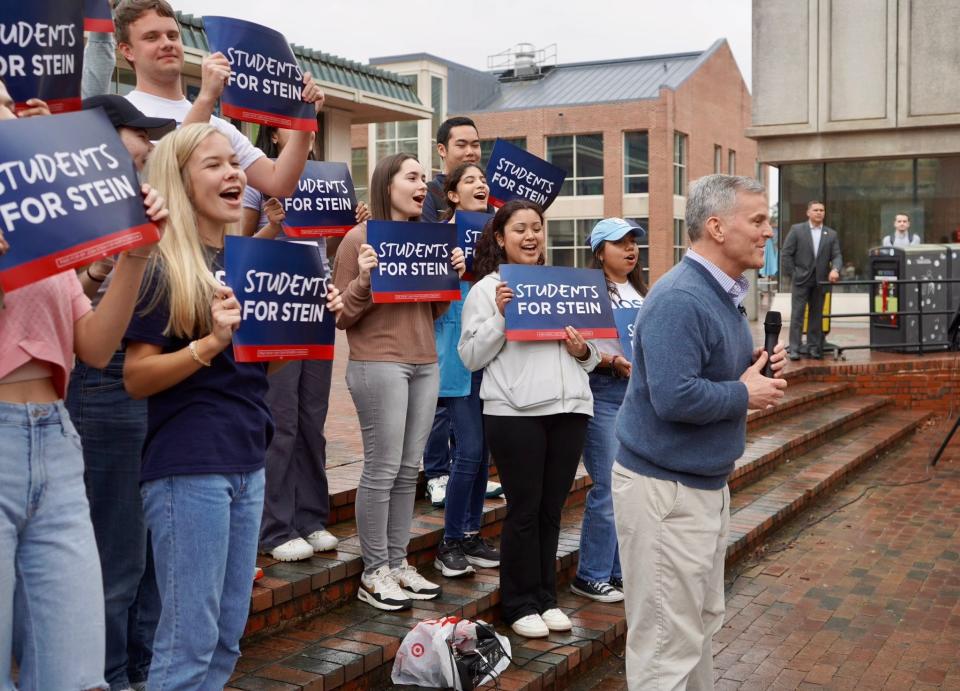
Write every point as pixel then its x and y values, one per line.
pixel 815 234
pixel 736 288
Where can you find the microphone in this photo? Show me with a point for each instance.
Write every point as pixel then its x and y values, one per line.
pixel 771 327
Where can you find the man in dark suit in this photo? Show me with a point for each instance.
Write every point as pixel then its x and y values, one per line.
pixel 810 254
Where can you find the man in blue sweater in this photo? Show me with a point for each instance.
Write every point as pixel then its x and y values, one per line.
pixel 681 427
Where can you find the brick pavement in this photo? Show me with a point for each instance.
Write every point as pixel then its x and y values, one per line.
pixel 869 598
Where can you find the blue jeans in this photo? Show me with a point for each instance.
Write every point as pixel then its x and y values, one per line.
pixel 469 470
pixel 51 592
pixel 436 455
pixel 204 530
pixel 112 427
pixel 599 555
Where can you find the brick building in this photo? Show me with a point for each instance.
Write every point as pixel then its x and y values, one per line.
pixel 632 133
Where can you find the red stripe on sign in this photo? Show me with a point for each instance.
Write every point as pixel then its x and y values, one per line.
pixel 536 334
pixel 602 332
pixel 99 26
pixel 269 353
pixel 386 298
pixel 78 255
pixel 316 231
pixel 56 105
pixel 271 119
pixel 494 202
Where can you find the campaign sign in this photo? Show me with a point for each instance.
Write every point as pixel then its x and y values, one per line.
pixel 470 225
pixel 266 81
pixel 41 52
pixel 413 261
pixel 97 16
pixel 69 195
pixel 546 299
pixel 282 290
pixel 626 319
pixel 324 204
pixel 513 173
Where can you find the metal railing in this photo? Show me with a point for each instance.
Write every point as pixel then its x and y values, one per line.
pixel 920 313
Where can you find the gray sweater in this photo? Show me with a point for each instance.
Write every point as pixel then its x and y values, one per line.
pixel 684 414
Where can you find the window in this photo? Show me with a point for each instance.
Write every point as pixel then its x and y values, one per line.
pixel 486 147
pixel 679 239
pixel 636 163
pixel 360 172
pixel 581 155
pixel 717 158
pixel 568 242
pixel 643 248
pixel 394 137
pixel 436 102
pixel 732 162
pixel 680 164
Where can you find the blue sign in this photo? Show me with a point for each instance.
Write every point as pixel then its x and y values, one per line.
pixel 266 82
pixel 324 204
pixel 41 51
pixel 413 261
pixel 546 299
pixel 470 225
pixel 97 16
pixel 282 289
pixel 69 195
pixel 513 173
pixel 626 319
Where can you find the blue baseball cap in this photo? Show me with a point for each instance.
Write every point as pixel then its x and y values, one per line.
pixel 613 229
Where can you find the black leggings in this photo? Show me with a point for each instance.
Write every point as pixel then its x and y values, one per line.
pixel 537 459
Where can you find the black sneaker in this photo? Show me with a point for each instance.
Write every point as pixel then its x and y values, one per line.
pixel 617 583
pixel 450 560
pixel 596 590
pixel 480 552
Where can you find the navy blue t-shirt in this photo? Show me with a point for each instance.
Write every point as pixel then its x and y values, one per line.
pixel 215 420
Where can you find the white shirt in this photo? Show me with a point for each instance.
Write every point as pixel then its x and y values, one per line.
pixel 625 297
pixel 158 107
pixel 815 234
pixel 904 240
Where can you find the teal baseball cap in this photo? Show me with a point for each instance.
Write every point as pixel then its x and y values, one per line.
pixel 613 229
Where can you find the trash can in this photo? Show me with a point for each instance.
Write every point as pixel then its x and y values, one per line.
pixel 926 262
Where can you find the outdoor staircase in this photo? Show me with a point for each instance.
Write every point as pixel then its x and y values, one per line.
pixel 308 631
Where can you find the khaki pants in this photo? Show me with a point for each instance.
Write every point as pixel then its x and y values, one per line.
pixel 673 541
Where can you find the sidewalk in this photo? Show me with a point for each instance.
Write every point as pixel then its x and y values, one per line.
pixel 866 597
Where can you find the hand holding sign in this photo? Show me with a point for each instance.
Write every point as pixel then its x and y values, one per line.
pixel 225 311
pixel 214 75
pixel 367 261
pixel 33 107
pixel 458 261
pixel 575 344
pixel 504 296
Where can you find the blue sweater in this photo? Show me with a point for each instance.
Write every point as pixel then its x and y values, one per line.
pixel 685 412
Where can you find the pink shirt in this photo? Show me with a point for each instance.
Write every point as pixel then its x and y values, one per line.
pixel 37 323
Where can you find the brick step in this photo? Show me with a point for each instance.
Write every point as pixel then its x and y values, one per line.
pixel 764 506
pixel 290 591
pixel 798 396
pixel 353 646
pixel 770 445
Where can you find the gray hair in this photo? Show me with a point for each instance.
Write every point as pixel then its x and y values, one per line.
pixel 715 195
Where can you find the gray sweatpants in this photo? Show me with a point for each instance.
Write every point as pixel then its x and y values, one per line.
pixel 395 403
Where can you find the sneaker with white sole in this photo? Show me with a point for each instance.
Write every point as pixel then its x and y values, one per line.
pixel 450 560
pixel 530 626
pixel 381 590
pixel 596 590
pixel 296 549
pixel 480 552
pixel 494 490
pixel 322 540
pixel 437 490
pixel 556 620
pixel 413 584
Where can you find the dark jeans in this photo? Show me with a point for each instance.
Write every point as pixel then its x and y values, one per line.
pixel 469 469
pixel 112 427
pixel 296 500
pixel 436 457
pixel 537 458
pixel 800 297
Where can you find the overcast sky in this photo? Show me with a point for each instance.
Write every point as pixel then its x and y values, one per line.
pixel 590 30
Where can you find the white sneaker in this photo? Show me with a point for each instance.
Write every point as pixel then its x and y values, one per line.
pixel 413 584
pixel 556 620
pixel 296 549
pixel 437 490
pixel 494 490
pixel 322 540
pixel 530 626
pixel 381 590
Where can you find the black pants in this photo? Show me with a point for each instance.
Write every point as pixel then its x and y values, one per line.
pixel 537 459
pixel 802 296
